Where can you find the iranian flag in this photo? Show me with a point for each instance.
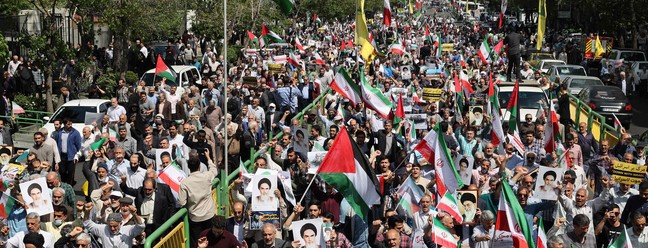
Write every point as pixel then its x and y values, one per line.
pixel 295 61
pixel 497 135
pixel 411 195
pixel 622 241
pixel 387 13
pixel 6 204
pixel 617 123
pixel 551 130
pixel 162 70
pixel 252 37
pixel 397 48
pixel 433 148
pixel 344 85
pixel 316 19
pixel 374 99
pixel 542 236
pixel 172 176
pixel 512 108
pixel 318 59
pixel 346 168
pixel 449 204
pixel 465 83
pixel 511 227
pixel 269 36
pixel 484 52
pixel 441 236
pixel 298 44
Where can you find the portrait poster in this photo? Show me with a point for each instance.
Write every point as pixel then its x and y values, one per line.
pixel 464 165
pixel 93 118
pixel 286 182
pixel 546 182
pixel 264 184
pixel 314 161
pixel 417 239
pixel 308 232
pixel 420 120
pixel 476 115
pixel 37 196
pixel 300 141
pixel 260 218
pixel 158 156
pixel 467 200
pixel 5 154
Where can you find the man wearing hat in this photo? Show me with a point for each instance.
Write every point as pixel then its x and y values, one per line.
pixel 114 233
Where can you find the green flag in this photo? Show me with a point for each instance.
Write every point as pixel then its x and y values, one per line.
pixel 98 144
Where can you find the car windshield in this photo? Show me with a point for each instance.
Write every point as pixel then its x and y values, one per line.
pixel 633 56
pixel 149 78
pixel 75 113
pixel 548 64
pixel 528 100
pixel 607 94
pixel 581 83
pixel 576 71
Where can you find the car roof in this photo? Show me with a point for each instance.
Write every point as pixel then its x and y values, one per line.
pixel 526 86
pixel 602 87
pixel 85 102
pixel 552 60
pixel 582 77
pixel 569 66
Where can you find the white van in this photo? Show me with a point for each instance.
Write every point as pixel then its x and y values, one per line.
pixel 186 75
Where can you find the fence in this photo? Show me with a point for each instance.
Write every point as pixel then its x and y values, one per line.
pixel 178 237
pixel 580 112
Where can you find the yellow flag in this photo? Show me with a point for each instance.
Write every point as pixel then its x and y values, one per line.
pixel 367 52
pixel 411 10
pixel 361 31
pixel 599 47
pixel 542 19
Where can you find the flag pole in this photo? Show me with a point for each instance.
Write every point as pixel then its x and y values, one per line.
pixel 307 188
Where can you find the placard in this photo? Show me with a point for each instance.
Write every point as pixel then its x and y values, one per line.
pixel 286 182
pixel 417 239
pixel 37 196
pixel 91 117
pixel 251 81
pixel 465 165
pixel 300 141
pixel 432 94
pixel 308 232
pixel 477 99
pixel 5 154
pixel 476 115
pixel 314 160
pixel 628 173
pixel 467 200
pixel 264 185
pixel 275 68
pixel 260 218
pixel 420 120
pixel 447 47
pixel 546 183
pixel 9 172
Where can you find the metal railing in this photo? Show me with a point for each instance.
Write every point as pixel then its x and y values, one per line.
pixel 178 237
pixel 38 114
pixel 24 120
pixel 580 112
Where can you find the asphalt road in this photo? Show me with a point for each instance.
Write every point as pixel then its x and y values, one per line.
pixel 639 115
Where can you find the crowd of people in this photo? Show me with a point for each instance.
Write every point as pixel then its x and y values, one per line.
pixel 126 156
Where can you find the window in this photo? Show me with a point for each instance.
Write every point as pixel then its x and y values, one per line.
pixel 75 113
pixel 528 100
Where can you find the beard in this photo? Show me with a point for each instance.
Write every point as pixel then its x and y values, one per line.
pixel 470 214
pixel 264 198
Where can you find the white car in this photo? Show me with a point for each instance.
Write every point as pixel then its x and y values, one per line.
pixel 530 98
pixel 545 64
pixel 563 71
pixel 76 110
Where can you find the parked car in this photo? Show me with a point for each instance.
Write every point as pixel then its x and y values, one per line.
pixel 186 75
pixel 563 71
pixel 576 83
pixel 545 64
pixel 76 111
pixel 608 101
pixel 531 97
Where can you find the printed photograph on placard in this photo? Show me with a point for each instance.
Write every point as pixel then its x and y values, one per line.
pixel 37 196
pixel 420 120
pixel 546 183
pixel 308 232
pixel 476 115
pixel 260 218
pixel 467 200
pixel 263 196
pixel 465 164
pixel 300 141
pixel 314 160
pixel 5 154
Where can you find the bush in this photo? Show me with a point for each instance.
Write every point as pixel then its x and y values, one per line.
pixel 131 77
pixel 108 81
pixel 30 102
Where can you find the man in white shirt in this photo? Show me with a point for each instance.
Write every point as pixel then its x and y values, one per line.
pixel 625 87
pixel 638 233
pixel 421 217
pixel 33 225
pixel 115 110
pixel 113 234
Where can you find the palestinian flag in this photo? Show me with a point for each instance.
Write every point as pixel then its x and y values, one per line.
pixel 252 37
pixel 484 52
pixel 397 48
pixel 269 36
pixel 318 59
pixel 439 50
pixel 408 203
pixel 298 44
pixel 441 236
pixel 511 227
pixel 512 108
pixel 497 134
pixel 286 6
pixel 162 70
pixel 433 148
pixel 542 236
pixel 498 48
pixel 346 168
pixel 344 85
pixel 399 114
pixel 316 19
pixel 6 205
pixel 374 99
pixel 622 241
pixel 387 13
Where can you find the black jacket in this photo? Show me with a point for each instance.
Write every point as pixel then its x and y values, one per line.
pixel 513 40
pixel 163 206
